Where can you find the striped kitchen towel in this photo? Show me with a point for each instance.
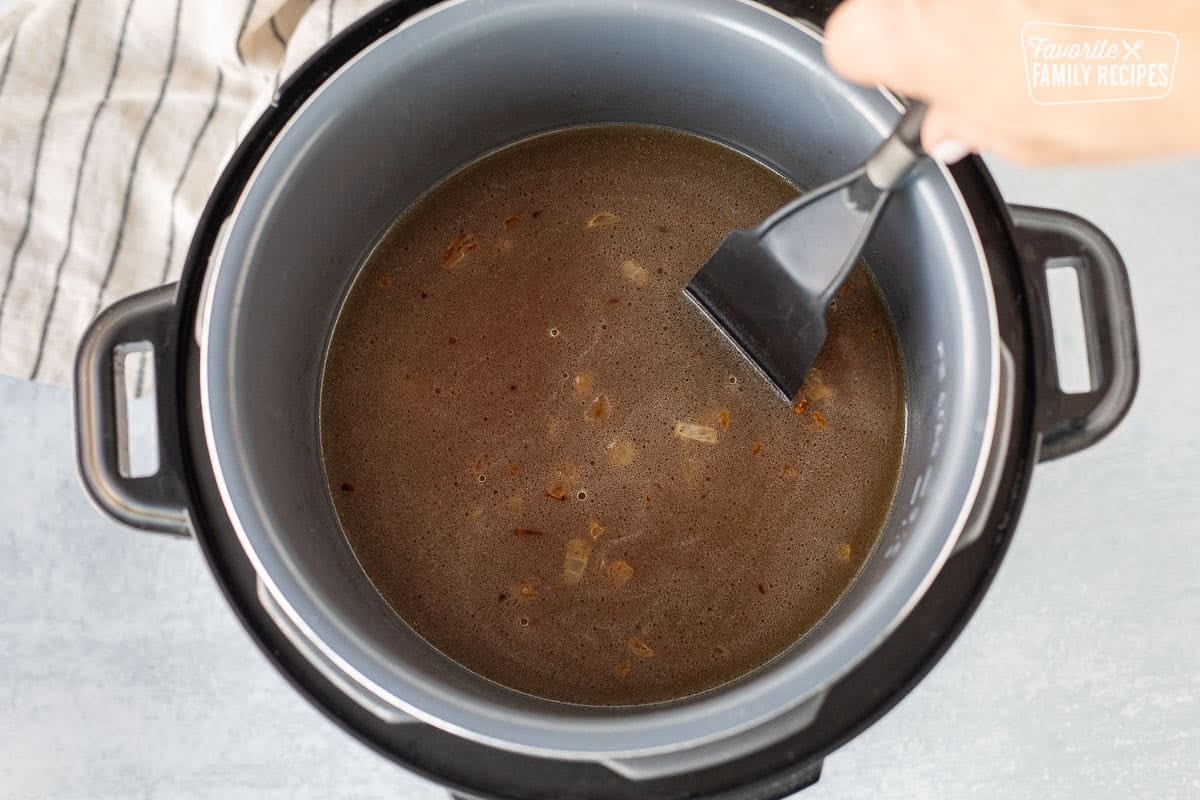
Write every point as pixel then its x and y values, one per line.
pixel 116 117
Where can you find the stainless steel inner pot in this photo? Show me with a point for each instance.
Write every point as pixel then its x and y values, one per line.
pixel 446 87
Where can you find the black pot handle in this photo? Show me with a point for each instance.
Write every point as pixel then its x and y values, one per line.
pixel 1047 239
pixel 154 502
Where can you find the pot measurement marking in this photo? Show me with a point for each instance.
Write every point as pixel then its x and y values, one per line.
pixel 922 482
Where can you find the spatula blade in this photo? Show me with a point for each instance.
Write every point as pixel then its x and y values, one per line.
pixel 745 291
pixel 767 288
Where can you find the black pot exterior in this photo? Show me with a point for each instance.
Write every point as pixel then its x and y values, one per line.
pixel 473 770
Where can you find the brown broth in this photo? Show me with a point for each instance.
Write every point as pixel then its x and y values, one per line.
pixel 500 426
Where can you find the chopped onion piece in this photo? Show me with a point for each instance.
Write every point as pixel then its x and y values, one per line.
pixel 583 384
pixel 600 409
pixel 621 669
pixel 576 560
pixel 723 418
pixel 621 452
pixel 620 573
pixel 640 648
pixel 458 249
pixel 815 388
pixel 602 218
pixel 844 551
pixel 697 433
pixel 595 530
pixel 635 273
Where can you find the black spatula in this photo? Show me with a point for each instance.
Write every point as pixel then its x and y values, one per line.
pixel 767 288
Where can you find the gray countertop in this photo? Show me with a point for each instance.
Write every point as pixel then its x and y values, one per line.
pixel 124 675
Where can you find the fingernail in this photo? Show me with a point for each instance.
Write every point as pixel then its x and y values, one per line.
pixel 950 151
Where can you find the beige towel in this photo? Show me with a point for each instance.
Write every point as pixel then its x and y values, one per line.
pixel 116 117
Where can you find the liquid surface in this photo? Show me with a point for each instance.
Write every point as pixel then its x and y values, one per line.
pixel 555 470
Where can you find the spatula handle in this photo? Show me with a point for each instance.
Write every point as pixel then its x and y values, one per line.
pixel 908 129
pixel 892 162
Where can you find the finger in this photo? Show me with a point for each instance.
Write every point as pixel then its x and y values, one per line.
pixel 881 42
pixel 857 40
pixel 946 136
pixel 949 137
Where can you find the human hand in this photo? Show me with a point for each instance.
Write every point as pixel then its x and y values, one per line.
pixel 964 57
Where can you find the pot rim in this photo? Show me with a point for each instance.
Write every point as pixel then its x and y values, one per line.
pixel 499 728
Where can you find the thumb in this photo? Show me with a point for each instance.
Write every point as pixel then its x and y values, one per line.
pixel 870 42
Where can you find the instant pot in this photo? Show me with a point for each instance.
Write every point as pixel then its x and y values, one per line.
pixel 410 93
